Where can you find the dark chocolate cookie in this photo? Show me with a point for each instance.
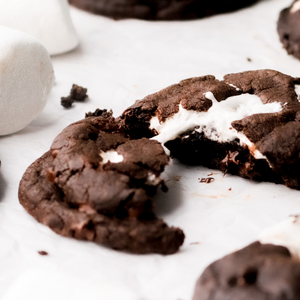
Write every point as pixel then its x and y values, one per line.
pixel 288 27
pixel 160 9
pixel 258 271
pixel 247 124
pixel 95 184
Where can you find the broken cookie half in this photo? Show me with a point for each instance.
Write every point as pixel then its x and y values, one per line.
pixel 246 124
pixel 95 183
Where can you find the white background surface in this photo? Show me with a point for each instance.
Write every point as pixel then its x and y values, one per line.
pixel 119 62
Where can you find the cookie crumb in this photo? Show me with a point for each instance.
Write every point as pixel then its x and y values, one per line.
pixel 230 189
pixel 43 253
pixel 206 180
pixel 211 174
pixel 67 102
pixel 78 93
pixel 249 59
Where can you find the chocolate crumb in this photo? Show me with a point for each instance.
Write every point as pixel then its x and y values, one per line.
pixel 229 189
pixel 66 102
pixel 177 178
pixel 249 59
pixel 206 180
pixel 78 93
pixel 42 253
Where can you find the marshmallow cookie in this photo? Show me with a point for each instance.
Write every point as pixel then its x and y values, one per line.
pixel 160 9
pixel 95 184
pixel 258 271
pixel 288 28
pixel 268 269
pixel 48 21
pixel 246 124
pixel 26 79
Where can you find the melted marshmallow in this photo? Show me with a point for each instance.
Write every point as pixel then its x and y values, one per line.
pixel 152 179
pixel 26 79
pixel 112 156
pixel 297 91
pixel 286 233
pixel 295 7
pixel 216 122
pixel 48 21
pixel 232 85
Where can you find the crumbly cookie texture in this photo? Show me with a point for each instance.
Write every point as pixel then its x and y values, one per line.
pixel 246 124
pixel 288 27
pixel 160 9
pixel 95 183
pixel 261 272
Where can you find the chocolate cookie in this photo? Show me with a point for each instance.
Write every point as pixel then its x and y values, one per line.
pixel 246 124
pixel 288 27
pixel 260 272
pixel 160 9
pixel 95 184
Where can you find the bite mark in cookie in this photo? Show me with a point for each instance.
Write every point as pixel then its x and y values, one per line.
pixel 95 183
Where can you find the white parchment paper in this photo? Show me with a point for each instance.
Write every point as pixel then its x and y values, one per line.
pixel 120 62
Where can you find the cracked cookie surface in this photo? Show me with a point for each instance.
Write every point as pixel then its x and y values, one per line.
pixel 246 124
pixel 95 184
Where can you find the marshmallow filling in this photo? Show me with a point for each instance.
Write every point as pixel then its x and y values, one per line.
pixel 207 138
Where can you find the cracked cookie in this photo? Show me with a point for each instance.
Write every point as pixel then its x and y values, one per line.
pixel 96 183
pixel 246 124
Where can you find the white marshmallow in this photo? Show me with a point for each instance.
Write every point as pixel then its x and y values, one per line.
pixel 216 122
pixel 112 156
pixel 295 7
pixel 48 21
pixel 26 79
pixel 297 91
pixel 286 233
